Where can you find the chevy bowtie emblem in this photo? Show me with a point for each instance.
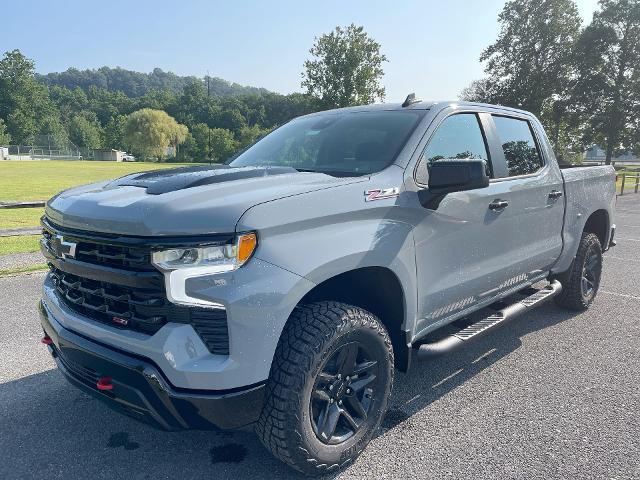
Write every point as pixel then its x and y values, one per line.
pixel 62 248
pixel 381 193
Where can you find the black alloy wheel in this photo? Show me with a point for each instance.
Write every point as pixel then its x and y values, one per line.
pixel 343 394
pixel 590 273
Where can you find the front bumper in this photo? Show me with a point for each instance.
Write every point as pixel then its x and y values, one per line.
pixel 140 390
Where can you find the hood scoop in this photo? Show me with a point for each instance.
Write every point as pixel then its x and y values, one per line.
pixel 158 182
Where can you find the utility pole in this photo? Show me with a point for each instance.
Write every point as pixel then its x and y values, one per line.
pixel 208 127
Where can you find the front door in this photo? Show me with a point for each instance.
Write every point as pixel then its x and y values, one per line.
pixel 464 248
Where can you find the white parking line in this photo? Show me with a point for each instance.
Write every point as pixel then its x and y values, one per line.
pixel 629 239
pixel 633 297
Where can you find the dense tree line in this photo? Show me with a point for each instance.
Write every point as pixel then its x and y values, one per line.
pixel 220 117
pixel 136 84
pixel 202 119
pixel 583 82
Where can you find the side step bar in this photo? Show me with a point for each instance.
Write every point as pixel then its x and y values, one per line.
pixel 447 344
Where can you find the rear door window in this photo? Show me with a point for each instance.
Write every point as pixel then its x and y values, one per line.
pixel 518 144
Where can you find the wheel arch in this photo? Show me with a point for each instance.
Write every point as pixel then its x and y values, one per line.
pixel 375 289
pixel 598 223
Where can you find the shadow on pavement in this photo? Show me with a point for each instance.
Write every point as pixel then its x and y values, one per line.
pixel 50 429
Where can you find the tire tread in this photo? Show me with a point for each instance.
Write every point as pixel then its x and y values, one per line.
pixel 571 295
pixel 306 335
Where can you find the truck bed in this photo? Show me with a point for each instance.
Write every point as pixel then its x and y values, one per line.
pixel 587 189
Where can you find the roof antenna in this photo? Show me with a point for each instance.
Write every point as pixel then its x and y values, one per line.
pixel 411 99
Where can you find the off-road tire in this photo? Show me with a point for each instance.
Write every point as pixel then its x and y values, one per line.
pixel 572 295
pixel 313 333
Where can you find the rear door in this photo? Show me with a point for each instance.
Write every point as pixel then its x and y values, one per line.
pixel 534 191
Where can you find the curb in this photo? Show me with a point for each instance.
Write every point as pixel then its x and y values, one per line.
pixel 16 232
pixel 33 204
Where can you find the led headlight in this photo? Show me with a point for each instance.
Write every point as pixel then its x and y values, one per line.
pixel 227 257
pixel 180 264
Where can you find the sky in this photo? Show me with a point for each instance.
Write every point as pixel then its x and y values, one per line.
pixel 433 47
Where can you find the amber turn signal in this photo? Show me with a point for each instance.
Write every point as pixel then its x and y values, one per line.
pixel 246 245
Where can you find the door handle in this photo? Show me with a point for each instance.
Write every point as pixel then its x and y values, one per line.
pixel 555 194
pixel 498 204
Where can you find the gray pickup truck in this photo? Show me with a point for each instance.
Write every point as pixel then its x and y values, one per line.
pixel 283 288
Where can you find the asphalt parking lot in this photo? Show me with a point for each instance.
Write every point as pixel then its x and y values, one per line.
pixel 554 394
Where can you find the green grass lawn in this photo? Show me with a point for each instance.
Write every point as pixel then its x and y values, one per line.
pixel 19 244
pixel 29 268
pixel 41 180
pixel 20 217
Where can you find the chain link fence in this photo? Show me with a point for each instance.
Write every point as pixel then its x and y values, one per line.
pixel 42 152
pixel 46 147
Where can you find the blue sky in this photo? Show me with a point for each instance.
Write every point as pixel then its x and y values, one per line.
pixel 432 46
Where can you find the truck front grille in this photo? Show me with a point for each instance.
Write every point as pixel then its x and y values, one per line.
pixel 116 256
pixel 135 309
pixel 117 285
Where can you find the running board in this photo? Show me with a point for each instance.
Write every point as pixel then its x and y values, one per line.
pixel 430 350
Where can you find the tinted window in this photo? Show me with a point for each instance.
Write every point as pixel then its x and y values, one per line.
pixel 459 136
pixel 352 143
pixel 519 147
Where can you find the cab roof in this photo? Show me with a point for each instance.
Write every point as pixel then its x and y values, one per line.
pixel 418 105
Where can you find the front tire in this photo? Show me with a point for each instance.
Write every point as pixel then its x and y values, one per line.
pixel 328 388
pixel 581 282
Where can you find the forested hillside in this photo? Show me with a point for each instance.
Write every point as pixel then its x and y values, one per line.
pixel 92 108
pixel 136 84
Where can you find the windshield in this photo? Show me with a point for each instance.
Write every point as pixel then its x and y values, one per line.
pixel 340 144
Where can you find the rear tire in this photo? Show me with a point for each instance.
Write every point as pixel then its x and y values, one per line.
pixel 328 388
pixel 581 281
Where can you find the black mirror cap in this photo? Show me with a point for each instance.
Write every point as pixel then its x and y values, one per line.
pixel 446 176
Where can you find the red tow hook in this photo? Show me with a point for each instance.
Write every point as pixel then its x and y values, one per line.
pixel 104 383
pixel 46 340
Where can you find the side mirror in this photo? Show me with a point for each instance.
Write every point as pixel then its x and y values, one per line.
pixel 447 176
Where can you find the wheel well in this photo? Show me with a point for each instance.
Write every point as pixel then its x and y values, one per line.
pixel 598 223
pixel 377 290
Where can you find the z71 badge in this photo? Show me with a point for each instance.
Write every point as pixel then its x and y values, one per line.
pixel 381 193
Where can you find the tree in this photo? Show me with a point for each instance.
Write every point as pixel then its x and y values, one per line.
pixel 25 104
pixel 530 63
pixel 114 132
pixel 248 135
pixel 195 106
pixel 204 144
pixel 607 89
pixel 223 144
pixel 85 130
pixel 346 69
pixel 5 138
pixel 483 91
pixel 196 147
pixel 149 133
pixel 230 119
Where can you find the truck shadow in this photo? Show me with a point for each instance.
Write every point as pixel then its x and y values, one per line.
pixel 50 429
pixel 429 380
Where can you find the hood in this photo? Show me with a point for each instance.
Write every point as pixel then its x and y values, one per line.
pixel 181 201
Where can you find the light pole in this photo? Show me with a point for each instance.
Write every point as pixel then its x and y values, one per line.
pixel 208 127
